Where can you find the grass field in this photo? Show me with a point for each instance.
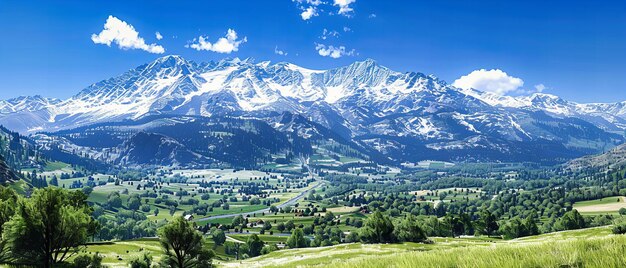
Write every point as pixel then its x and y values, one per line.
pixel 604 205
pixel 605 251
pixel 580 248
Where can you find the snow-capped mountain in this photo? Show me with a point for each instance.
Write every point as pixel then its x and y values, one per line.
pixel 405 116
pixel 26 103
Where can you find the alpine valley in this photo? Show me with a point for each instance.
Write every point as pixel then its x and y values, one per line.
pixel 240 113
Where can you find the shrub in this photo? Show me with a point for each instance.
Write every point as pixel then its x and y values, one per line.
pixel 619 228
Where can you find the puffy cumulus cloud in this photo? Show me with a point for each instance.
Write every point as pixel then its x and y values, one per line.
pixel 226 44
pixel 494 80
pixel 333 52
pixel 309 13
pixel 279 52
pixel 308 8
pixel 372 16
pixel 158 36
pixel 346 29
pixel 344 6
pixel 124 36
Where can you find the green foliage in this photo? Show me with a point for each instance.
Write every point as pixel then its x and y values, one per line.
pixel 144 261
pixel 183 246
pixel 409 230
pixel 86 261
pixel 517 228
pixel 488 224
pixel 218 236
pixel 432 226
pixel 297 239
pixel 570 221
pixel 378 229
pixel 255 245
pixel 269 249
pixel 49 226
pixel 134 203
pixel 619 228
pixel 8 202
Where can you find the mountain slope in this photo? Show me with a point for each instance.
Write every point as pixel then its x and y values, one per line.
pixel 613 158
pixel 402 116
pixel 6 174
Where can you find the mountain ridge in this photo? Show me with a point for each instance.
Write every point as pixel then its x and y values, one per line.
pixel 370 104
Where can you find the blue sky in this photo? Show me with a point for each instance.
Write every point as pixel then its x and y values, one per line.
pixel 574 49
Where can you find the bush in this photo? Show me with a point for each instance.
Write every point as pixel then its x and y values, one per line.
pixel 141 262
pixel 83 261
pixel 619 228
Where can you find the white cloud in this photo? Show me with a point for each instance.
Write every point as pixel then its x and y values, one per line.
pixel 308 7
pixel 372 16
pixel 540 88
pixel 124 35
pixel 310 2
pixel 158 36
pixel 308 13
pixel 333 52
pixel 327 33
pixel 494 80
pixel 279 52
pixel 346 29
pixel 344 6
pixel 226 44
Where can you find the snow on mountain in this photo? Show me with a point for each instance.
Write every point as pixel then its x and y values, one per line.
pixel 389 111
pixel 26 103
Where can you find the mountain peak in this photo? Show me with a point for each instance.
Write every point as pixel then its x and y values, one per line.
pixel 169 60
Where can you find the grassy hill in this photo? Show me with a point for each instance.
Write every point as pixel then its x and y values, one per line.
pixel 594 247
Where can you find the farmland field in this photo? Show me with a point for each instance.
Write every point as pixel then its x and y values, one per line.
pixel 604 205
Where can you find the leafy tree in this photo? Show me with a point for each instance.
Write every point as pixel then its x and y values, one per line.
pixel 409 230
pixel 134 203
pixel 144 261
pixel 254 245
pixel 622 211
pixel 378 229
pixel 49 227
pixel 83 261
pixel 268 249
pixel 114 200
pixel 352 237
pixel 530 225
pixel 456 225
pixel 297 239
pixel 280 227
pixel 237 221
pixel 183 245
pixel 289 225
pixel 571 220
pixel 87 190
pixel 8 201
pixel 219 237
pixel 488 224
pixel 619 228
pixel 513 229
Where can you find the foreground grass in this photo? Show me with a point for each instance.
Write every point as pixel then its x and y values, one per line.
pixel 595 252
pixel 594 247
